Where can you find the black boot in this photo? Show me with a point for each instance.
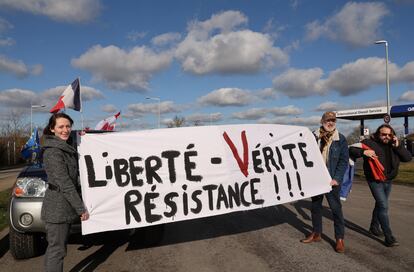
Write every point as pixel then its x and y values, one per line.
pixel 390 241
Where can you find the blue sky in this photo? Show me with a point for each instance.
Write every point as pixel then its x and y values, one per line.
pixel 211 62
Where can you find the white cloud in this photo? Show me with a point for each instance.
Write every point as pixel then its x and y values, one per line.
pixel 334 106
pixel 293 46
pixel 204 117
pixel 7 42
pixel 375 103
pixel 273 29
pixel 408 96
pixel 311 121
pixel 123 70
pixel 407 72
pixel 350 79
pixel 300 83
pixel 251 114
pixel 18 67
pixel 227 97
pixel 36 69
pixel 60 10
pixel 294 4
pixel 18 98
pixel 166 38
pixel 267 93
pixel 136 35
pixel 51 96
pixel 225 21
pixel 360 75
pixel 287 110
pixel 260 113
pixel 229 51
pixel 109 108
pixel 140 109
pixel 4 25
pixel 89 93
pixel 356 24
pixel 131 115
pixel 328 106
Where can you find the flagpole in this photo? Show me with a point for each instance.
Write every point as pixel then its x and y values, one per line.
pixel 81 108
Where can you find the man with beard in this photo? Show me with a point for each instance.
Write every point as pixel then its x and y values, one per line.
pixel 382 154
pixel 334 149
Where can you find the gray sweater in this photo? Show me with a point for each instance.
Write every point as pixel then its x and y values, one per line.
pixel 60 163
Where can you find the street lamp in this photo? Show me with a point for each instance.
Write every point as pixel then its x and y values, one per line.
pixel 159 107
pixel 31 114
pixel 386 73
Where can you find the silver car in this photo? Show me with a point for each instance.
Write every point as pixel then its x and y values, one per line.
pixel 27 230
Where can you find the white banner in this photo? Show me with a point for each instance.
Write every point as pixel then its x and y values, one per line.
pixel 140 178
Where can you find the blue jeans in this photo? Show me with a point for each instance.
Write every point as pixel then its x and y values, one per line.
pixel 335 204
pixel 381 192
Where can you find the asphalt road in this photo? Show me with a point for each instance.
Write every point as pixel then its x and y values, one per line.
pixel 259 240
pixel 8 177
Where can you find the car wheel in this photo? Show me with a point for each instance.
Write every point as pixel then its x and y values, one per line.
pixel 25 245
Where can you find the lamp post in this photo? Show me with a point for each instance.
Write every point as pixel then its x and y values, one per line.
pixel 386 73
pixel 159 107
pixel 31 114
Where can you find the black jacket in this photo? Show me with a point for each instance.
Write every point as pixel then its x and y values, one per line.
pixel 398 154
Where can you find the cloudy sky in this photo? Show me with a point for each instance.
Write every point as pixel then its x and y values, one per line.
pixel 209 61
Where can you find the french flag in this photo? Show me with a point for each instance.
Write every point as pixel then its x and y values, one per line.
pixel 70 99
pixel 108 124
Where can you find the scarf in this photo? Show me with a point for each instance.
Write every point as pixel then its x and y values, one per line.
pixel 325 136
pixel 325 141
pixel 377 168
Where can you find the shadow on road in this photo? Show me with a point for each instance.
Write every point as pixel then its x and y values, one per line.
pixel 4 245
pixel 183 231
pixel 202 228
pixel 110 242
pixel 326 212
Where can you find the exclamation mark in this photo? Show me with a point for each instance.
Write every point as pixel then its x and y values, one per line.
pixel 289 183
pixel 299 183
pixel 276 186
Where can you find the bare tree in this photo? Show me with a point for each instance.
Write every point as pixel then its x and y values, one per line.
pixel 14 133
pixel 176 122
pixel 354 136
pixel 198 123
pixel 13 125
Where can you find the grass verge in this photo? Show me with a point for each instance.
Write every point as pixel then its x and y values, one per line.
pixel 405 173
pixel 4 198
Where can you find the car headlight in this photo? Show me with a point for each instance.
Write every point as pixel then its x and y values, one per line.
pixel 30 187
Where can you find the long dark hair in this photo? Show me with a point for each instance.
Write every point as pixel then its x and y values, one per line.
pixel 377 133
pixel 52 122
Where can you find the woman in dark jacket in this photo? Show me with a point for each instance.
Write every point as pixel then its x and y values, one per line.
pixel 62 203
